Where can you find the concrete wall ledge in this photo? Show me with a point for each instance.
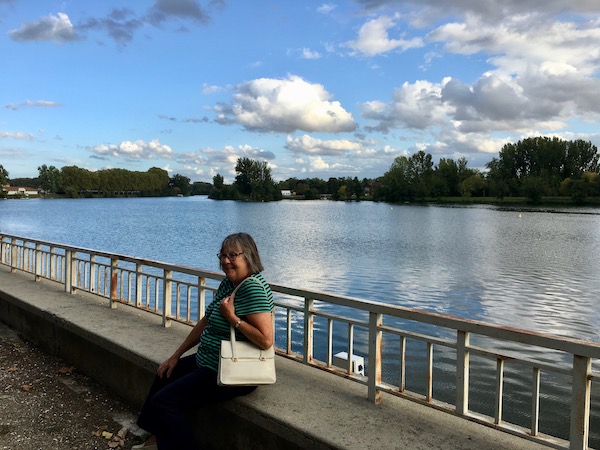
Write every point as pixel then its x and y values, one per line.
pixel 306 408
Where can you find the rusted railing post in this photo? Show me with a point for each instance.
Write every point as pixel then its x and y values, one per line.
pixel 309 323
pixel 375 352
pixel 462 372
pixel 580 402
pixel 167 296
pixel 114 282
pixel 201 297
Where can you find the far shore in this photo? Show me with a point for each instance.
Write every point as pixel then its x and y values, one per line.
pixel 564 202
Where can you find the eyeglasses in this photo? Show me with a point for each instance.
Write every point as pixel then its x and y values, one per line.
pixel 229 256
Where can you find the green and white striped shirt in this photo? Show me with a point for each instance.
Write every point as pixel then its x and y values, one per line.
pixel 250 298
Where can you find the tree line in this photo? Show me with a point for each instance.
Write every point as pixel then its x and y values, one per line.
pixel 533 168
pixel 73 181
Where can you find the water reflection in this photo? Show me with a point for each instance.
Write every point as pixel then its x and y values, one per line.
pixel 536 270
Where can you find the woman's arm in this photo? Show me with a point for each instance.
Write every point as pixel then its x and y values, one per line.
pixel 258 327
pixel 192 339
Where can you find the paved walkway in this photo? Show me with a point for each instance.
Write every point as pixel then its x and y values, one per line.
pixel 321 406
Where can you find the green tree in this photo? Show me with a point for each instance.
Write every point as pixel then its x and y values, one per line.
pixel 342 193
pixel 157 182
pixel 180 184
pixel 533 188
pixel 421 173
pixel 396 181
pixel 49 178
pixel 254 180
pixel 473 186
pixel 550 160
pixel 201 188
pixel 221 191
pixel 446 178
pixel 218 181
pixel 74 181
pixel 3 176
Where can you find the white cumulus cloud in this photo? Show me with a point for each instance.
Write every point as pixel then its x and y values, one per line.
pixel 134 150
pixel 285 106
pixel 374 38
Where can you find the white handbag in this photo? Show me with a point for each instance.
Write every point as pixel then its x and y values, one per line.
pixel 241 363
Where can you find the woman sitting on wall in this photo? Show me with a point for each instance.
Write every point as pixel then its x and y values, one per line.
pixel 183 384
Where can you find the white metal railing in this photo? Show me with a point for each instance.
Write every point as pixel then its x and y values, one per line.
pixel 179 293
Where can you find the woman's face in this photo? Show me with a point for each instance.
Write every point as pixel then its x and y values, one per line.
pixel 234 264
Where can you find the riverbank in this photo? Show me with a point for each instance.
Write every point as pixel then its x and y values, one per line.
pixel 523 202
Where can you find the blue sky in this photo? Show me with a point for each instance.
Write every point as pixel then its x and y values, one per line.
pixel 315 89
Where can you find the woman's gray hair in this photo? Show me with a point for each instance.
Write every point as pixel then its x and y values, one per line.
pixel 248 246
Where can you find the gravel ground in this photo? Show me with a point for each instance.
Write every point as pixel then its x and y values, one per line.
pixel 47 404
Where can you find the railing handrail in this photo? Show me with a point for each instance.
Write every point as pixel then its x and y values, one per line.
pixel 563 343
pixel 162 292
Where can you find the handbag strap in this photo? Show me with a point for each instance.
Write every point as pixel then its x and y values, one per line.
pixel 231 327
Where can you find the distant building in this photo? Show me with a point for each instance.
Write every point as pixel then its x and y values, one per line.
pixel 286 193
pixel 19 191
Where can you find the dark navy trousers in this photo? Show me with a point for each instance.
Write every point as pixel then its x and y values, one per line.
pixel 166 411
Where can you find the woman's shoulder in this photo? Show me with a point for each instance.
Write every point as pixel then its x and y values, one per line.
pixel 256 280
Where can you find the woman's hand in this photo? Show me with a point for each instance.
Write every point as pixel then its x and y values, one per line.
pixel 166 368
pixel 227 309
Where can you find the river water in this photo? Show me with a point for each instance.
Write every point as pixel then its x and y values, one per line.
pixel 536 269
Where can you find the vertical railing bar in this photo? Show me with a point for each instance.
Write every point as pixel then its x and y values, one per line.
pixel 114 282
pixel 148 290
pixel 156 295
pixel 129 286
pixel 75 272
pixel 38 261
pixel 25 258
pixel 201 297
pixel 580 403
pixel 52 262
pixel 138 285
pixel 402 381
pixel 93 279
pixel 535 401
pixel 329 342
pixel 429 395
pixel 177 300
pixel 122 283
pixel 462 372
pixel 80 274
pixel 375 352
pixel 309 323
pixel 289 332
pixel 67 270
pixel 106 285
pixel 350 347
pixel 499 391
pixel 189 303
